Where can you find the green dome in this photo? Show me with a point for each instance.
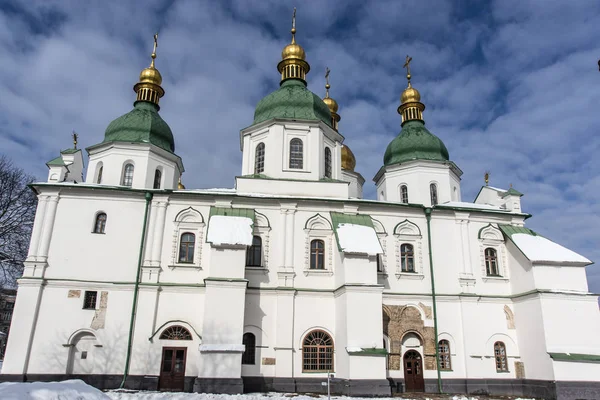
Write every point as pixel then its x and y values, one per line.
pixel 292 101
pixel 141 125
pixel 415 142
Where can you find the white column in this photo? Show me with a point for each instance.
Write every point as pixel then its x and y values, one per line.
pixel 49 216
pixel 159 232
pixel 289 235
pixel 38 226
pixel 282 237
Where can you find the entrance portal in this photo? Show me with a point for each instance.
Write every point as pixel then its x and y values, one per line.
pixel 413 372
pixel 172 369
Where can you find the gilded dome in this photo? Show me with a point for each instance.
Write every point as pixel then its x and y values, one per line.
pixel 331 103
pixel 293 51
pixel 150 75
pixel 348 159
pixel 410 95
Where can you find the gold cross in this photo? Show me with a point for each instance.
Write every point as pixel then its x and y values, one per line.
pixel 407 65
pixel 327 71
pixel 294 19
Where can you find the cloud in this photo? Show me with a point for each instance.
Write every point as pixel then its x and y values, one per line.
pixel 509 86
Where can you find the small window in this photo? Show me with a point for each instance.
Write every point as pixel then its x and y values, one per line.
pixel 317 352
pixel 379 264
pixel 249 356
pixel 407 258
pixel 259 159
pixel 404 194
pixel 157 176
pixel 317 254
pixel 99 178
pixel 296 154
pixel 127 175
pixel 253 254
pixel 84 355
pixel 89 300
pixel 327 162
pixel 186 248
pixel 444 351
pixel 175 332
pixel 100 223
pixel 433 192
pixel 491 262
pixel 500 355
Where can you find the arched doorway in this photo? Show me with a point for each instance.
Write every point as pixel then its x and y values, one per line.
pixel 172 365
pixel 413 372
pixel 81 354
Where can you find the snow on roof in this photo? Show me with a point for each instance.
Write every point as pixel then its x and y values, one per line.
pixel 224 229
pixel 540 249
pixel 464 204
pixel 495 188
pixel 73 389
pixel 358 239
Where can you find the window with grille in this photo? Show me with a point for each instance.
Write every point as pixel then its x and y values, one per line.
pixel 127 175
pixel 444 351
pixel 404 194
pixel 249 356
pixel 296 154
pixel 317 352
pixel 253 254
pixel 100 223
pixel 491 262
pixel 327 162
pixel 407 258
pixel 176 332
pixel 259 159
pixel 500 355
pixel 157 176
pixel 433 192
pixel 317 254
pixel 186 248
pixel 89 300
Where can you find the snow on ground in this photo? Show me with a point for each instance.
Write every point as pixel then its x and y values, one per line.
pixel 538 248
pixel 74 389
pixel 358 239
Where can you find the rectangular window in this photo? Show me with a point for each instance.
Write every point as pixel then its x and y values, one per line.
pixel 10 306
pixel 89 300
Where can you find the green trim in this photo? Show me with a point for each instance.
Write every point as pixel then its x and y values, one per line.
pixel 410 222
pixel 487 226
pixel 435 324
pixel 232 212
pixel 56 162
pixel 513 192
pixel 69 151
pixel 369 352
pixel 148 198
pixel 314 216
pixel 174 320
pixel 575 357
pixel 510 230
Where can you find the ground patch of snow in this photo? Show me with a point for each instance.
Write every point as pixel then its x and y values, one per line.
pixel 74 389
pixel 358 239
pixel 224 229
pixel 540 249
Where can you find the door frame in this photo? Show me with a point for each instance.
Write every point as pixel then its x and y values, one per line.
pixel 162 359
pixel 421 382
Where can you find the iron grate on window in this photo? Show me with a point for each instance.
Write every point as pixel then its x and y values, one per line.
pixel 89 300
pixel 175 332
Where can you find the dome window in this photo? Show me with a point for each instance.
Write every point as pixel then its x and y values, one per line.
pixel 327 162
pixel 404 194
pixel 434 195
pixel 296 154
pixel 157 178
pixel 259 159
pixel 127 175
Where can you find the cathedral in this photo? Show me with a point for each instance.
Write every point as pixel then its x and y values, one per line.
pixel 292 279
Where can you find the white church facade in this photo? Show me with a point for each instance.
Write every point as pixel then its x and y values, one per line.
pixel 132 280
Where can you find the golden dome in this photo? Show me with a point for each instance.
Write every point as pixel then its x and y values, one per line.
pixel 150 75
pixel 180 185
pixel 293 51
pixel 148 88
pixel 348 159
pixel 332 104
pixel 410 95
pixel 410 107
pixel 293 58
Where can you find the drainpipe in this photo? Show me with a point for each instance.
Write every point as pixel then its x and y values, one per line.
pixel 435 325
pixel 148 198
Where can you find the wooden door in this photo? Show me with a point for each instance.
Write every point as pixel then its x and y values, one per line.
pixel 413 372
pixel 172 369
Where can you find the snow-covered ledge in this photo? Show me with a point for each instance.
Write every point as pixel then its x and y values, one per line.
pixel 222 348
pixel 410 275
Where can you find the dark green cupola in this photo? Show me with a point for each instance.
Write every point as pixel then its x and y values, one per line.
pixel 414 142
pixel 143 124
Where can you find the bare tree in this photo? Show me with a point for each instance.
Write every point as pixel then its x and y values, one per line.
pixel 17 212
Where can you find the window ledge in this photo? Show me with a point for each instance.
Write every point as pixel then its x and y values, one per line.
pixel 494 278
pixel 410 275
pixel 262 270
pixel 323 272
pixel 382 274
pixel 185 266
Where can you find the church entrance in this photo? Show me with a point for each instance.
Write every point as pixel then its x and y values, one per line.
pixel 413 372
pixel 172 369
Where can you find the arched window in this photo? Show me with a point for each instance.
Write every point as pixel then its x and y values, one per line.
pixel 500 355
pixel 433 192
pixel 444 351
pixel 259 159
pixel 317 254
pixel 253 254
pixel 491 262
pixel 296 154
pixel 327 162
pixel 175 332
pixel 249 356
pixel 100 223
pixel 99 177
pixel 186 248
pixel 407 258
pixel 317 352
pixel 404 194
pixel 157 176
pixel 127 175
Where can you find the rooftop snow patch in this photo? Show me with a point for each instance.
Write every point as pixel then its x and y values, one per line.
pixel 358 239
pixel 539 249
pixel 462 204
pixel 230 230
pixel 74 389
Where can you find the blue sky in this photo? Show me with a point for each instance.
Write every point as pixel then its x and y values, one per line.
pixel 511 86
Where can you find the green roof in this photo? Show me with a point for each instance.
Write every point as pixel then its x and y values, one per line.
pixel 143 124
pixel 415 142
pixel 510 230
pixel 513 192
pixel 232 212
pixel 354 219
pixel 69 151
pixel 57 162
pixel 292 101
pixel 575 357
